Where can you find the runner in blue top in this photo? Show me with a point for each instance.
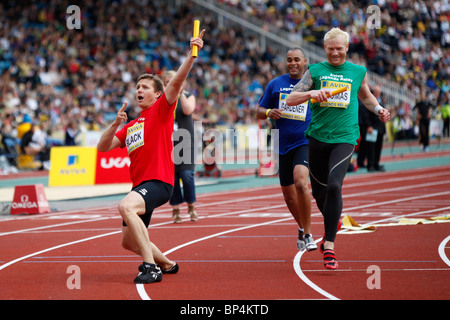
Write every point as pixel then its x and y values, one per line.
pixel 291 121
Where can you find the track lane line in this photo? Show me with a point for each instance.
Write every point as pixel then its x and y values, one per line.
pixel 3 266
pixel 299 255
pixel 140 287
pixel 441 250
pixel 143 294
pixel 51 226
pixel 90 238
pixel 305 279
pixel 374 181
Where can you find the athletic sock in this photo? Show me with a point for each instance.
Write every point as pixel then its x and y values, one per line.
pixel 149 265
pixel 301 234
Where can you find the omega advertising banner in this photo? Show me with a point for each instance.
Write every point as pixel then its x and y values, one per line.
pixel 113 167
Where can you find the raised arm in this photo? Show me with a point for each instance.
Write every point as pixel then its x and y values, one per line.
pixel 173 88
pixel 108 140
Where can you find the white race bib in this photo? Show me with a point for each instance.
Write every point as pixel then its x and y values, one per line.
pixel 341 100
pixel 135 137
pixel 292 112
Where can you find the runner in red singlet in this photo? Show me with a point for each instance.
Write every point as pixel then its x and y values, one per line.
pixel 148 140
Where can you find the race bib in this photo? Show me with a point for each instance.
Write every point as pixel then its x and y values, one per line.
pixel 135 137
pixel 341 100
pixel 292 112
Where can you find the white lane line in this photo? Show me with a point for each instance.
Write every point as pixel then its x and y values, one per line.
pixel 305 279
pixel 3 266
pixel 299 255
pixel 115 232
pixel 441 251
pixel 140 287
pixel 51 226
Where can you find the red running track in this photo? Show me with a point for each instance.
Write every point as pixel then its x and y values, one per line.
pixel 243 248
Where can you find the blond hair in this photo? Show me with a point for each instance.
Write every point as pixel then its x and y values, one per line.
pixel 169 74
pixel 336 33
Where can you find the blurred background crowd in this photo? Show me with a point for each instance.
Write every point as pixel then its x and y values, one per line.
pixel 69 80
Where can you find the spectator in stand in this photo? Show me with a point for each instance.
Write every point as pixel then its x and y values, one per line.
pixel 404 125
pixel 72 132
pixel 93 65
pixel 34 143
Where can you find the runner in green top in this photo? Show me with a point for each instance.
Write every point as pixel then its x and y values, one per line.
pixel 340 112
pixel 334 128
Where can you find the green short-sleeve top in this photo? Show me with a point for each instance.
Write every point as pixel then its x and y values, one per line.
pixel 336 120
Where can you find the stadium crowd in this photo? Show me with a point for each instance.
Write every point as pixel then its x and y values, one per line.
pixel 58 76
pixel 411 46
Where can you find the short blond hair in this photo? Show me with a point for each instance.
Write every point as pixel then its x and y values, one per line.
pixel 169 74
pixel 336 33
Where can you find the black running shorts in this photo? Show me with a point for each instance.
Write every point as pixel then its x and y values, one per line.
pixel 155 194
pixel 288 161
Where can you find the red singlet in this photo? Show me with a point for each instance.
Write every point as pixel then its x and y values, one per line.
pixel 148 140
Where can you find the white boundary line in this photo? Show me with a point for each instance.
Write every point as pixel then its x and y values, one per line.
pixel 246 227
pixel 140 287
pixel 305 279
pixel 52 226
pixel 257 209
pixel 441 251
pixel 299 255
pixel 143 294
pixel 374 180
pixel 3 266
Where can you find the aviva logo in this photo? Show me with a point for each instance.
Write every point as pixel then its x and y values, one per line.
pixel 72 160
pixel 72 166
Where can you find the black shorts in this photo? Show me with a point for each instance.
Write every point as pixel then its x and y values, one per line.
pixel 288 161
pixel 155 194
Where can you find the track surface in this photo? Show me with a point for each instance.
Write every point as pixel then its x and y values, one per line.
pixel 243 247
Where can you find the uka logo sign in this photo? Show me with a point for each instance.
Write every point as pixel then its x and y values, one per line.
pixel 119 162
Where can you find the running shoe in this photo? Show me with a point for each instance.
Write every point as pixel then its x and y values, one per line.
pixel 329 259
pixel 174 269
pixel 310 245
pixel 193 214
pixel 176 216
pixel 149 274
pixel 301 245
